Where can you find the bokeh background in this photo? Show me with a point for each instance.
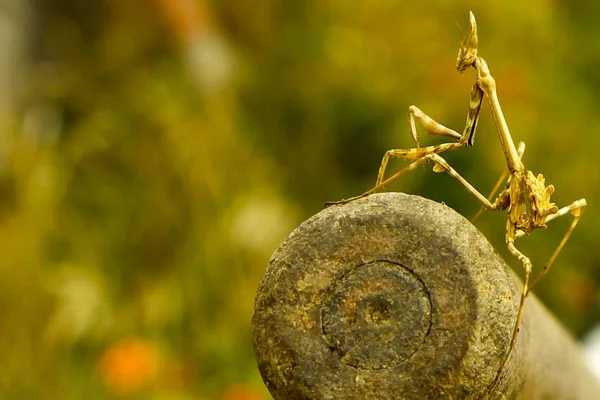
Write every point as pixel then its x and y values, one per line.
pixel 153 154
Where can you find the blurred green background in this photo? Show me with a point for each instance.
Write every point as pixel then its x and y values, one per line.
pixel 153 154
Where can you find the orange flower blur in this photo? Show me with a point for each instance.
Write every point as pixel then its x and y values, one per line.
pixel 128 365
pixel 243 392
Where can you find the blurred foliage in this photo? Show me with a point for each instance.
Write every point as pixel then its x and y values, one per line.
pixel 156 153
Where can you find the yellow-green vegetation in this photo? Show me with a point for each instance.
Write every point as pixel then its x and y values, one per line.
pixel 154 154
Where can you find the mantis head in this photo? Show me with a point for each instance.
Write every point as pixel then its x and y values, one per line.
pixel 467 53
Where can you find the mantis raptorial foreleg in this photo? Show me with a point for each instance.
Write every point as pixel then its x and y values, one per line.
pixel 432 127
pixel 436 129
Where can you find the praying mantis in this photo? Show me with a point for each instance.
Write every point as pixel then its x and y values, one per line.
pixel 525 197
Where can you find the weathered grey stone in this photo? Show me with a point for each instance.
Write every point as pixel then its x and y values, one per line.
pixel 398 297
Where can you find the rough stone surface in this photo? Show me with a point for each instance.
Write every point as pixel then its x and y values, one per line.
pixel 376 316
pixel 397 297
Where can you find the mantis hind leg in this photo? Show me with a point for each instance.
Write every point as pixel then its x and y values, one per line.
pixel 524 291
pixel 576 209
pixel 409 168
pixel 440 165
